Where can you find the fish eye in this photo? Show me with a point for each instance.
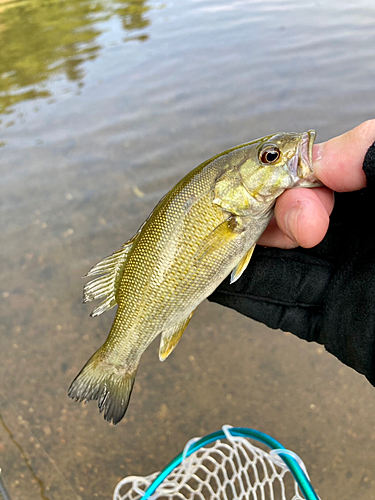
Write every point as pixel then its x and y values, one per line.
pixel 269 155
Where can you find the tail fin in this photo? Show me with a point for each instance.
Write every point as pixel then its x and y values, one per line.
pixel 111 385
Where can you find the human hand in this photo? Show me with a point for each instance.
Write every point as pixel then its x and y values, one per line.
pixel 302 215
pixel 324 294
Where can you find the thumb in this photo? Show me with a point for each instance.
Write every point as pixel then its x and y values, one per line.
pixel 338 162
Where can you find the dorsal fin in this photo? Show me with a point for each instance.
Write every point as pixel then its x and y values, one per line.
pixel 171 337
pixel 112 268
pixel 241 266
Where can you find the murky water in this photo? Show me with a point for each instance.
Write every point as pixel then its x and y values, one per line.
pixel 103 107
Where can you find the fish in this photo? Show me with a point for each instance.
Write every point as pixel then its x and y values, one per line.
pixel 205 228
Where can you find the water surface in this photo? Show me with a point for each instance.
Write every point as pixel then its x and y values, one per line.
pixel 103 107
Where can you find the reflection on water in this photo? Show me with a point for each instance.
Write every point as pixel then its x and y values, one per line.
pixel 42 40
pixel 132 14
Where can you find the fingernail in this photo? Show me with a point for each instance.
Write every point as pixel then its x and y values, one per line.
pixel 291 222
pixel 318 153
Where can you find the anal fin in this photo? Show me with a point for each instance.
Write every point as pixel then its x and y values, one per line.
pixel 171 337
pixel 241 266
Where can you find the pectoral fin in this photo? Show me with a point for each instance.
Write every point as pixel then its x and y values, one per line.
pixel 112 268
pixel 219 238
pixel 171 337
pixel 241 266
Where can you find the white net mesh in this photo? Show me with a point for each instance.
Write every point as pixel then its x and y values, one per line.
pixel 230 469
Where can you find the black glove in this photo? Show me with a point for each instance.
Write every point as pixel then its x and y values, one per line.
pixel 324 294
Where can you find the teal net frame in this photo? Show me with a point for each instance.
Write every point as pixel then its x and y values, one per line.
pixel 289 458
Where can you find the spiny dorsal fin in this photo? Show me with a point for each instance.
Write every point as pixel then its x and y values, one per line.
pixel 170 338
pixel 241 266
pixel 106 286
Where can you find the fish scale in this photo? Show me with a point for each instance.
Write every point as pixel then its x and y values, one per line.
pixel 205 228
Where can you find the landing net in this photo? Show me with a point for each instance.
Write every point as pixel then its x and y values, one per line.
pixel 225 465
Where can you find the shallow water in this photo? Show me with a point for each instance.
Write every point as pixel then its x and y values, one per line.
pixel 103 107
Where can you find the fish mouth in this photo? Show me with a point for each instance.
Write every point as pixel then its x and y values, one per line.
pixel 301 165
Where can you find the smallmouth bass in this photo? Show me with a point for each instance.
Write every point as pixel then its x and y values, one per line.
pixel 204 228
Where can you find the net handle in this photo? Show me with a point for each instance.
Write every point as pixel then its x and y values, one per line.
pixel 292 464
pixel 3 492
